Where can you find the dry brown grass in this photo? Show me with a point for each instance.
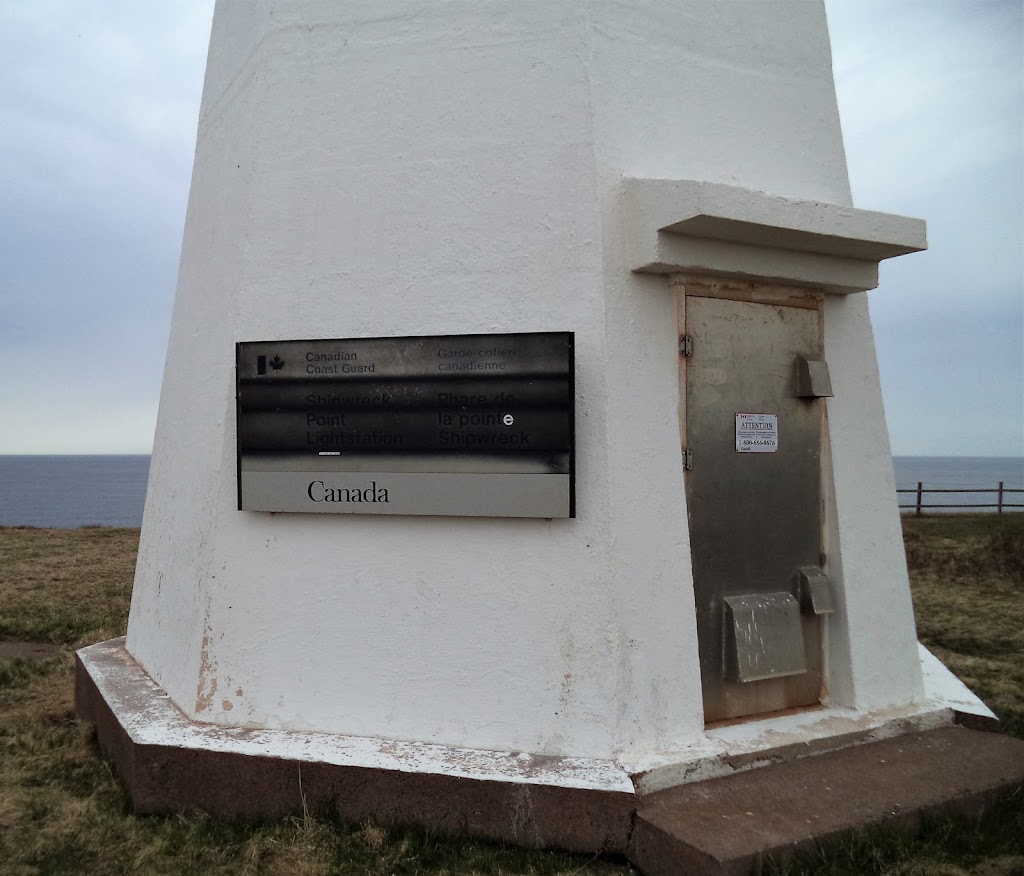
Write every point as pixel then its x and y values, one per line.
pixel 967 580
pixel 63 812
pixel 67 586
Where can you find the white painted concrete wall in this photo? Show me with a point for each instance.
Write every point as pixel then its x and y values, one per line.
pixel 398 168
pixel 874 654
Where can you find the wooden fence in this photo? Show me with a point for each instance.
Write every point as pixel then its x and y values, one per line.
pixel 1000 504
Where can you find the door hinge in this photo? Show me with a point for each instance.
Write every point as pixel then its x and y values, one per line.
pixel 687 460
pixel 685 345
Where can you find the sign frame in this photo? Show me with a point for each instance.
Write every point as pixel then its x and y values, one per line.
pixel 274 397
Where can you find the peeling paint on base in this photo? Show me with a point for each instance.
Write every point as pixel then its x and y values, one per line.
pixel 149 717
pixel 207 687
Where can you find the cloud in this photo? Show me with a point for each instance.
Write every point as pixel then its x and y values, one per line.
pixel 927 90
pixel 98 111
pixel 930 95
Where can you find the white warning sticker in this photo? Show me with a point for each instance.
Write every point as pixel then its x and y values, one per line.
pixel 757 433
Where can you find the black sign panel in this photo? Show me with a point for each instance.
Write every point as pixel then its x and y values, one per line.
pixel 477 425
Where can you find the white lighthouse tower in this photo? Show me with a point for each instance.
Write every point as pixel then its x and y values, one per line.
pixel 661 185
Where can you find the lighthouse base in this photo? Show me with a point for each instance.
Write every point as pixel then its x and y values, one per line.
pixel 171 764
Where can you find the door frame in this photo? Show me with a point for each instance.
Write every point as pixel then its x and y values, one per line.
pixel 698 286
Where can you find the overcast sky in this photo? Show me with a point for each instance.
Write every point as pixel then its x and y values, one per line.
pixel 98 108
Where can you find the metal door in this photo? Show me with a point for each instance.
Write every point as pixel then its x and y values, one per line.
pixel 755 509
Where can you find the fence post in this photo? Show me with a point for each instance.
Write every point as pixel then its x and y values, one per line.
pixel 919 498
pixel 1000 505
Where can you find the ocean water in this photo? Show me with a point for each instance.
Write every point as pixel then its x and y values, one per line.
pixel 65 492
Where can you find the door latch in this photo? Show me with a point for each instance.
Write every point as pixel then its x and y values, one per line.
pixel 813 591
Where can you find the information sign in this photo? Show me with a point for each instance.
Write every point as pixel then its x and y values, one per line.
pixel 757 433
pixel 467 425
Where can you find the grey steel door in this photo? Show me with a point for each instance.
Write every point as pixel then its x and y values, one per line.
pixel 755 513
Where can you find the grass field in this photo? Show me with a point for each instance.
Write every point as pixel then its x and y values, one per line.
pixel 63 812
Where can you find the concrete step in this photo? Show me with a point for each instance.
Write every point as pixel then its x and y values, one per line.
pixel 730 825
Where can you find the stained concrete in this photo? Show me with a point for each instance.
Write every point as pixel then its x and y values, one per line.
pixel 169 764
pixel 725 825
pixel 730 825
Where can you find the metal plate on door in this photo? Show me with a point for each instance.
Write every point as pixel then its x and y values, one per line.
pixel 763 637
pixel 754 518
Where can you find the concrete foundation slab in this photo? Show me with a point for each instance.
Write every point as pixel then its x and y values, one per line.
pixel 730 825
pixel 172 764
pixel 725 825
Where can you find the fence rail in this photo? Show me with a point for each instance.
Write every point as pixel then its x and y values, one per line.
pixel 1002 491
